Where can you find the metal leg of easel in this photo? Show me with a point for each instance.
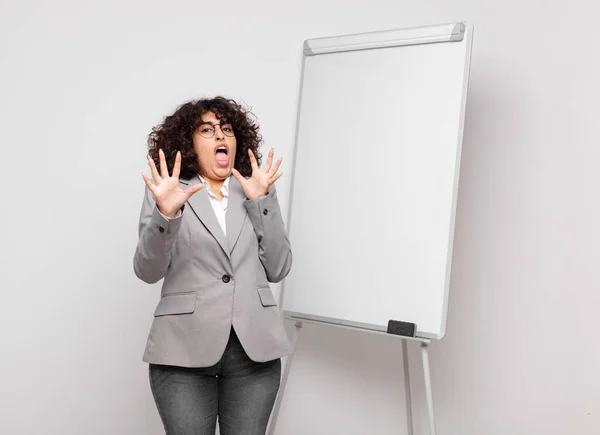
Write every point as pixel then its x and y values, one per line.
pixel 407 390
pixel 284 379
pixel 428 392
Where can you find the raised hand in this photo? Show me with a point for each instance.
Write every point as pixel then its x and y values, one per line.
pixel 260 181
pixel 168 195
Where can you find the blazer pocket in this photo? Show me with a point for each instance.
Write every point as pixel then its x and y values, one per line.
pixel 176 304
pixel 266 296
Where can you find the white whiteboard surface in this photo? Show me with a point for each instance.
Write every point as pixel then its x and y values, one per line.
pixel 374 188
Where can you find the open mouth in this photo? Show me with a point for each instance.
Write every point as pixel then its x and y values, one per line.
pixel 222 155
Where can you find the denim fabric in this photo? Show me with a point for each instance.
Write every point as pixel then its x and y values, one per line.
pixel 237 390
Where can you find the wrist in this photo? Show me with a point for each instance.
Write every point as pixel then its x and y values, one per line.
pixel 171 214
pixel 259 195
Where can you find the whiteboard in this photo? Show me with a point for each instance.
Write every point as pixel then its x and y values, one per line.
pixel 375 178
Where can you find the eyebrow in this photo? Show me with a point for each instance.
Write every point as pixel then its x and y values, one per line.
pixel 222 121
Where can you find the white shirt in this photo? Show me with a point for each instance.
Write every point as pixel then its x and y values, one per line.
pixel 218 205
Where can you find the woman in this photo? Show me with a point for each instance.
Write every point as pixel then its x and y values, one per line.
pixel 211 226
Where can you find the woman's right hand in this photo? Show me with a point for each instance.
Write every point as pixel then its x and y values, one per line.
pixel 168 195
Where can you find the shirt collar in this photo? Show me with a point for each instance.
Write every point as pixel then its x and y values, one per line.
pixel 224 188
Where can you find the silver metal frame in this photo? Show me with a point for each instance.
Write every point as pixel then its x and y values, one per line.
pixel 371 327
pixel 388 38
pixel 451 32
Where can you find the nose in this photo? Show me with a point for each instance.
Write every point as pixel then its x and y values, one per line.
pixel 219 133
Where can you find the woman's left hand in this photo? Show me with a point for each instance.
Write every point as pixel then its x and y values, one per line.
pixel 260 181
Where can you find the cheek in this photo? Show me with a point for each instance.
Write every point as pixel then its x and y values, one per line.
pixel 202 149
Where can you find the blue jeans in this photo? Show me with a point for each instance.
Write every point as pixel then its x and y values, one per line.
pixel 237 390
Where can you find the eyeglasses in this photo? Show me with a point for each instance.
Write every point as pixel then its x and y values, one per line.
pixel 208 130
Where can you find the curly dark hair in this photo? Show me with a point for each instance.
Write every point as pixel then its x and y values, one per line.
pixel 177 130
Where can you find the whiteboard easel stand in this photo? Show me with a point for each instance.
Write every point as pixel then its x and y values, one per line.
pixel 425 342
pixel 450 32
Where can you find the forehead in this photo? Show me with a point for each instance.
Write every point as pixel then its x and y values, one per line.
pixel 210 117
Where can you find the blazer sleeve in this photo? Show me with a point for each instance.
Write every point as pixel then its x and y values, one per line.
pixel 274 248
pixel 156 235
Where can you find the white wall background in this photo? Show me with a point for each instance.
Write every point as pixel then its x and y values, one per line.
pixel 82 84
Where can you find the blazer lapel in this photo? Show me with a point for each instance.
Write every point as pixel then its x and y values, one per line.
pixel 201 206
pixel 236 212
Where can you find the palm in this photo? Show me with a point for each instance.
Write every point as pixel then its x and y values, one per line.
pixel 167 193
pixel 260 181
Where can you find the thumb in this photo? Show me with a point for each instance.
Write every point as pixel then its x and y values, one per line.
pixel 195 188
pixel 237 175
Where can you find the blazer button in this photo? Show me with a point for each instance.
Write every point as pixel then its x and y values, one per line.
pixel 265 212
pixel 161 229
pixel 226 278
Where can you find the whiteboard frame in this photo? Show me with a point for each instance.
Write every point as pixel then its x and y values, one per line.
pixel 387 38
pixel 461 31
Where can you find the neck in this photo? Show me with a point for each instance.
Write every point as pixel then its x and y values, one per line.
pixel 215 186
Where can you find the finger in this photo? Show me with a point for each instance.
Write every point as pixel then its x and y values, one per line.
pixel 252 160
pixel 157 178
pixel 275 178
pixel 148 182
pixel 269 161
pixel 195 188
pixel 164 172
pixel 177 166
pixel 237 175
pixel 276 167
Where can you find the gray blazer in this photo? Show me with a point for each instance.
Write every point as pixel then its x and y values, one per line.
pixel 213 282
